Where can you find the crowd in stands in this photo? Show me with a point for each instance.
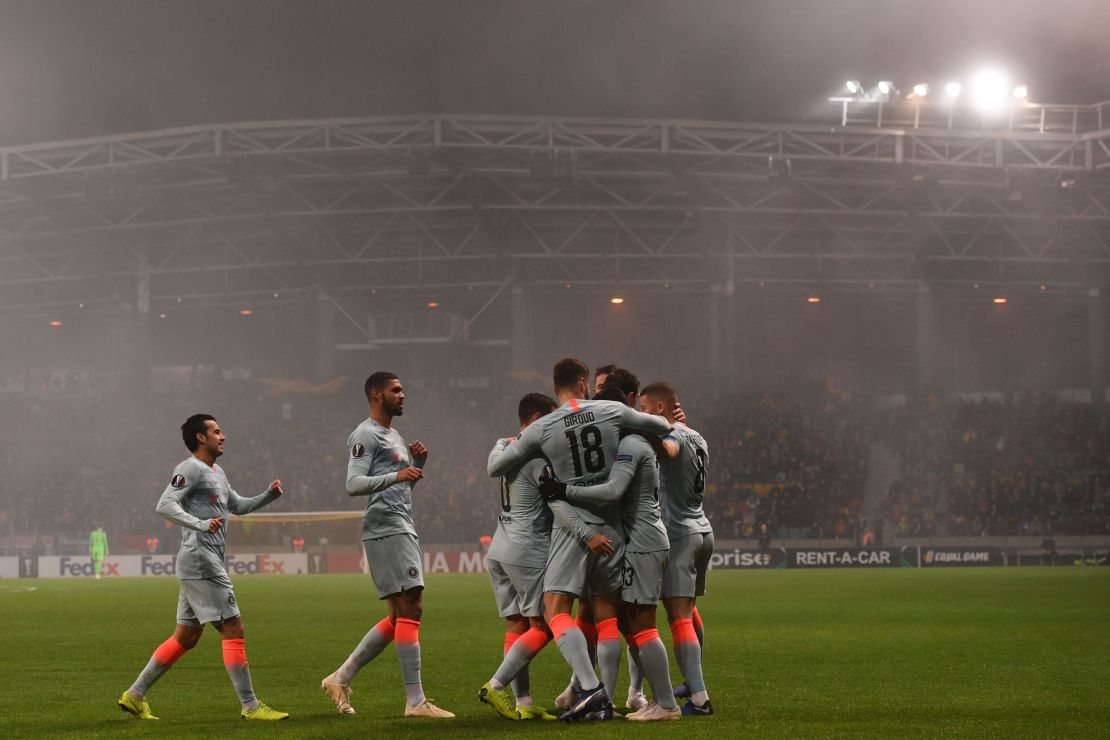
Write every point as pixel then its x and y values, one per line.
pixel 1022 466
pixel 795 464
pixel 82 458
pixel 798 466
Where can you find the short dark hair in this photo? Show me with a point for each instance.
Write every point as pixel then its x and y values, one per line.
pixel 568 371
pixel 604 370
pixel 623 380
pixel 378 381
pixel 193 426
pixel 535 403
pixel 661 390
pixel 611 393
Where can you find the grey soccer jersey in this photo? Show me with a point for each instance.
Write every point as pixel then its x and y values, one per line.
pixel 375 455
pixel 523 535
pixel 197 494
pixel 683 480
pixel 579 440
pixel 634 481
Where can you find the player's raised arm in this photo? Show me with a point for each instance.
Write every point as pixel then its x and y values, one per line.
pixel 509 456
pixel 240 506
pixel 169 503
pixel 641 423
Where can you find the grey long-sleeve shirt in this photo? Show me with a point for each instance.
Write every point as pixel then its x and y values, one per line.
pixel 196 495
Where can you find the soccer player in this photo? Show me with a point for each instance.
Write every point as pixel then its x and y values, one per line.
pixel 579 439
pixel 634 483
pixel 516 562
pixel 584 619
pixel 98 548
pixel 685 458
pixel 383 468
pixel 198 500
pixel 601 374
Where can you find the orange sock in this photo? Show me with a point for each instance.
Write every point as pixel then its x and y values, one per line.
pixel 386 629
pixel 408 630
pixel 169 651
pixel 535 639
pixel 510 639
pixel 608 630
pixel 235 652
pixel 682 630
pixel 560 623
pixel 589 631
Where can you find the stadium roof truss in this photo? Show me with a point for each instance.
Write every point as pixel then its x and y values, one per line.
pixel 346 206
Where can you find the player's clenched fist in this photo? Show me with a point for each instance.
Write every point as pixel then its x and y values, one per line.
pixel 418 450
pixel 413 474
pixel 215 524
pixel 275 487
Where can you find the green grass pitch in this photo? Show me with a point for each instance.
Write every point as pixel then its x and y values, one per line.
pixel 839 653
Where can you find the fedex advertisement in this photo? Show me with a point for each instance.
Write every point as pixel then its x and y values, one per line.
pixel 80 566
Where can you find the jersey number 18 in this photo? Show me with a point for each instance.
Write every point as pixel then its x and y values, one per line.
pixel 589 453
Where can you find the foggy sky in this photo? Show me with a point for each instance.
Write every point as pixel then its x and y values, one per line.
pixel 73 69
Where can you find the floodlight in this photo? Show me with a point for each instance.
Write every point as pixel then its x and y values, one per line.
pixel 921 89
pixel 988 91
pixel 953 89
pixel 886 87
pixel 1021 92
pixel 854 87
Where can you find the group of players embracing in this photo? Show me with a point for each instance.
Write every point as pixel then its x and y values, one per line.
pixel 602 504
pixel 587 514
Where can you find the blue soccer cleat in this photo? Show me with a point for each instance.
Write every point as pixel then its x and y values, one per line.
pixel 690 709
pixel 593 700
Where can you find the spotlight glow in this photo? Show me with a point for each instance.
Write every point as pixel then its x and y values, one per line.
pixel 1000 299
pixel 813 299
pixel 853 86
pixel 433 304
pixel 886 87
pixel 616 300
pixel 1021 92
pixel 55 323
pixel 921 89
pixel 245 312
pixel 953 89
pixel 988 91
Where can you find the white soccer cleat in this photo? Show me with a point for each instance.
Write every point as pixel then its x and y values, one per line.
pixel 340 694
pixel 426 709
pixel 636 701
pixel 654 713
pixel 565 700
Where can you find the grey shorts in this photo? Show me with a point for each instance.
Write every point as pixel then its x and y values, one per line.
pixel 572 569
pixel 643 577
pixel 206 600
pixel 685 571
pixel 395 563
pixel 516 588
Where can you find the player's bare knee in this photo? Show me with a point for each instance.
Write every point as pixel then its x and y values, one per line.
pixel 517 623
pixel 187 637
pixel 679 607
pixel 408 604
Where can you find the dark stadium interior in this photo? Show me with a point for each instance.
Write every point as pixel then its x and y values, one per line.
pixel 823 296
pixel 866 242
